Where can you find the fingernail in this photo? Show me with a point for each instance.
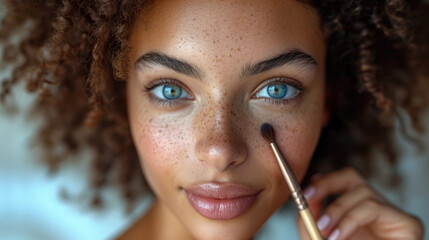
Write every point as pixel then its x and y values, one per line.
pixel 323 222
pixel 334 235
pixel 309 192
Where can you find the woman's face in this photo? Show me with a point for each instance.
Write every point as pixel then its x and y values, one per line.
pixel 204 76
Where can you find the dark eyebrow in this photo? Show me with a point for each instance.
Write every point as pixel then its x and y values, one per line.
pixel 293 56
pixel 169 62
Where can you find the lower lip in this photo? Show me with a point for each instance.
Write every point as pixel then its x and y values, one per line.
pixel 221 209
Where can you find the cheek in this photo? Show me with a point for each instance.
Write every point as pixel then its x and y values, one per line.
pixel 161 147
pixel 160 142
pixel 298 134
pixel 297 142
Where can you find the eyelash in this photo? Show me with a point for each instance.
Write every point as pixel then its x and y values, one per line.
pixel 175 102
pixel 164 102
pixel 284 80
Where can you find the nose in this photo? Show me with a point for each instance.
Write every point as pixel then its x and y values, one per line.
pixel 220 145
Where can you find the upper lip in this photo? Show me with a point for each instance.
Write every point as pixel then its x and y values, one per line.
pixel 222 190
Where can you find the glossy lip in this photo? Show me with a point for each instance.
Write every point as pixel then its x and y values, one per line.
pixel 221 201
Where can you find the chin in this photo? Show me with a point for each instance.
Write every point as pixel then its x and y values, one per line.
pixel 224 234
pixel 240 228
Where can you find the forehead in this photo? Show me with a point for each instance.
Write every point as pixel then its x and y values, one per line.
pixel 228 28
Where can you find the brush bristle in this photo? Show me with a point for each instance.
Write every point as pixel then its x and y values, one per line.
pixel 267 132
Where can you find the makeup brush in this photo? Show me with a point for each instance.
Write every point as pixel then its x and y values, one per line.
pixel 267 132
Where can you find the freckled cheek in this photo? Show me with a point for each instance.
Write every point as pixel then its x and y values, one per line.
pixel 162 151
pixel 297 143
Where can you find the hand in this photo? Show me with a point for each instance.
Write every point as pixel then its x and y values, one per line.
pixel 358 213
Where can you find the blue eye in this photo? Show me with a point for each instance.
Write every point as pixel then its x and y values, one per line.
pixel 169 92
pixel 278 91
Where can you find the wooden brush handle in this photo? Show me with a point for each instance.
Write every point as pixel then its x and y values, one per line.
pixel 310 224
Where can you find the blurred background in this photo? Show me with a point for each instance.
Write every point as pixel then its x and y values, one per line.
pixel 32 202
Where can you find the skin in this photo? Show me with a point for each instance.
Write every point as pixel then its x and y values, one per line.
pixel 215 137
pixel 359 212
pixel 214 134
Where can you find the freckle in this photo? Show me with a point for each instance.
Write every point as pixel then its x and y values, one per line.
pixel 238 49
pixel 241 38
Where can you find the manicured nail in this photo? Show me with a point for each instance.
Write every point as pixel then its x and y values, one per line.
pixel 323 222
pixel 334 235
pixel 309 192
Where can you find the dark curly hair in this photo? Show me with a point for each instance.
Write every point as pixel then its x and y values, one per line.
pixel 73 53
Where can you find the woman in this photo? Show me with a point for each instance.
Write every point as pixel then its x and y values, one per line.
pixel 185 86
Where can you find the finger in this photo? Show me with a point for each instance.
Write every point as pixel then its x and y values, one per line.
pixel 336 182
pixel 344 204
pixel 383 220
pixel 360 216
pixel 329 184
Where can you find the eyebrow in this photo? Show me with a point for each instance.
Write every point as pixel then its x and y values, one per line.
pixel 293 56
pixel 169 62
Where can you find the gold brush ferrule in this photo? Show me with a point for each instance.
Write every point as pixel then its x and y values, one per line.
pixel 300 201
pixel 290 178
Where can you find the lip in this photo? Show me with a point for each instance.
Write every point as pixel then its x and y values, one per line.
pixel 221 201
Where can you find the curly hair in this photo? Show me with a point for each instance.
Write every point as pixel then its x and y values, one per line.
pixel 73 53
